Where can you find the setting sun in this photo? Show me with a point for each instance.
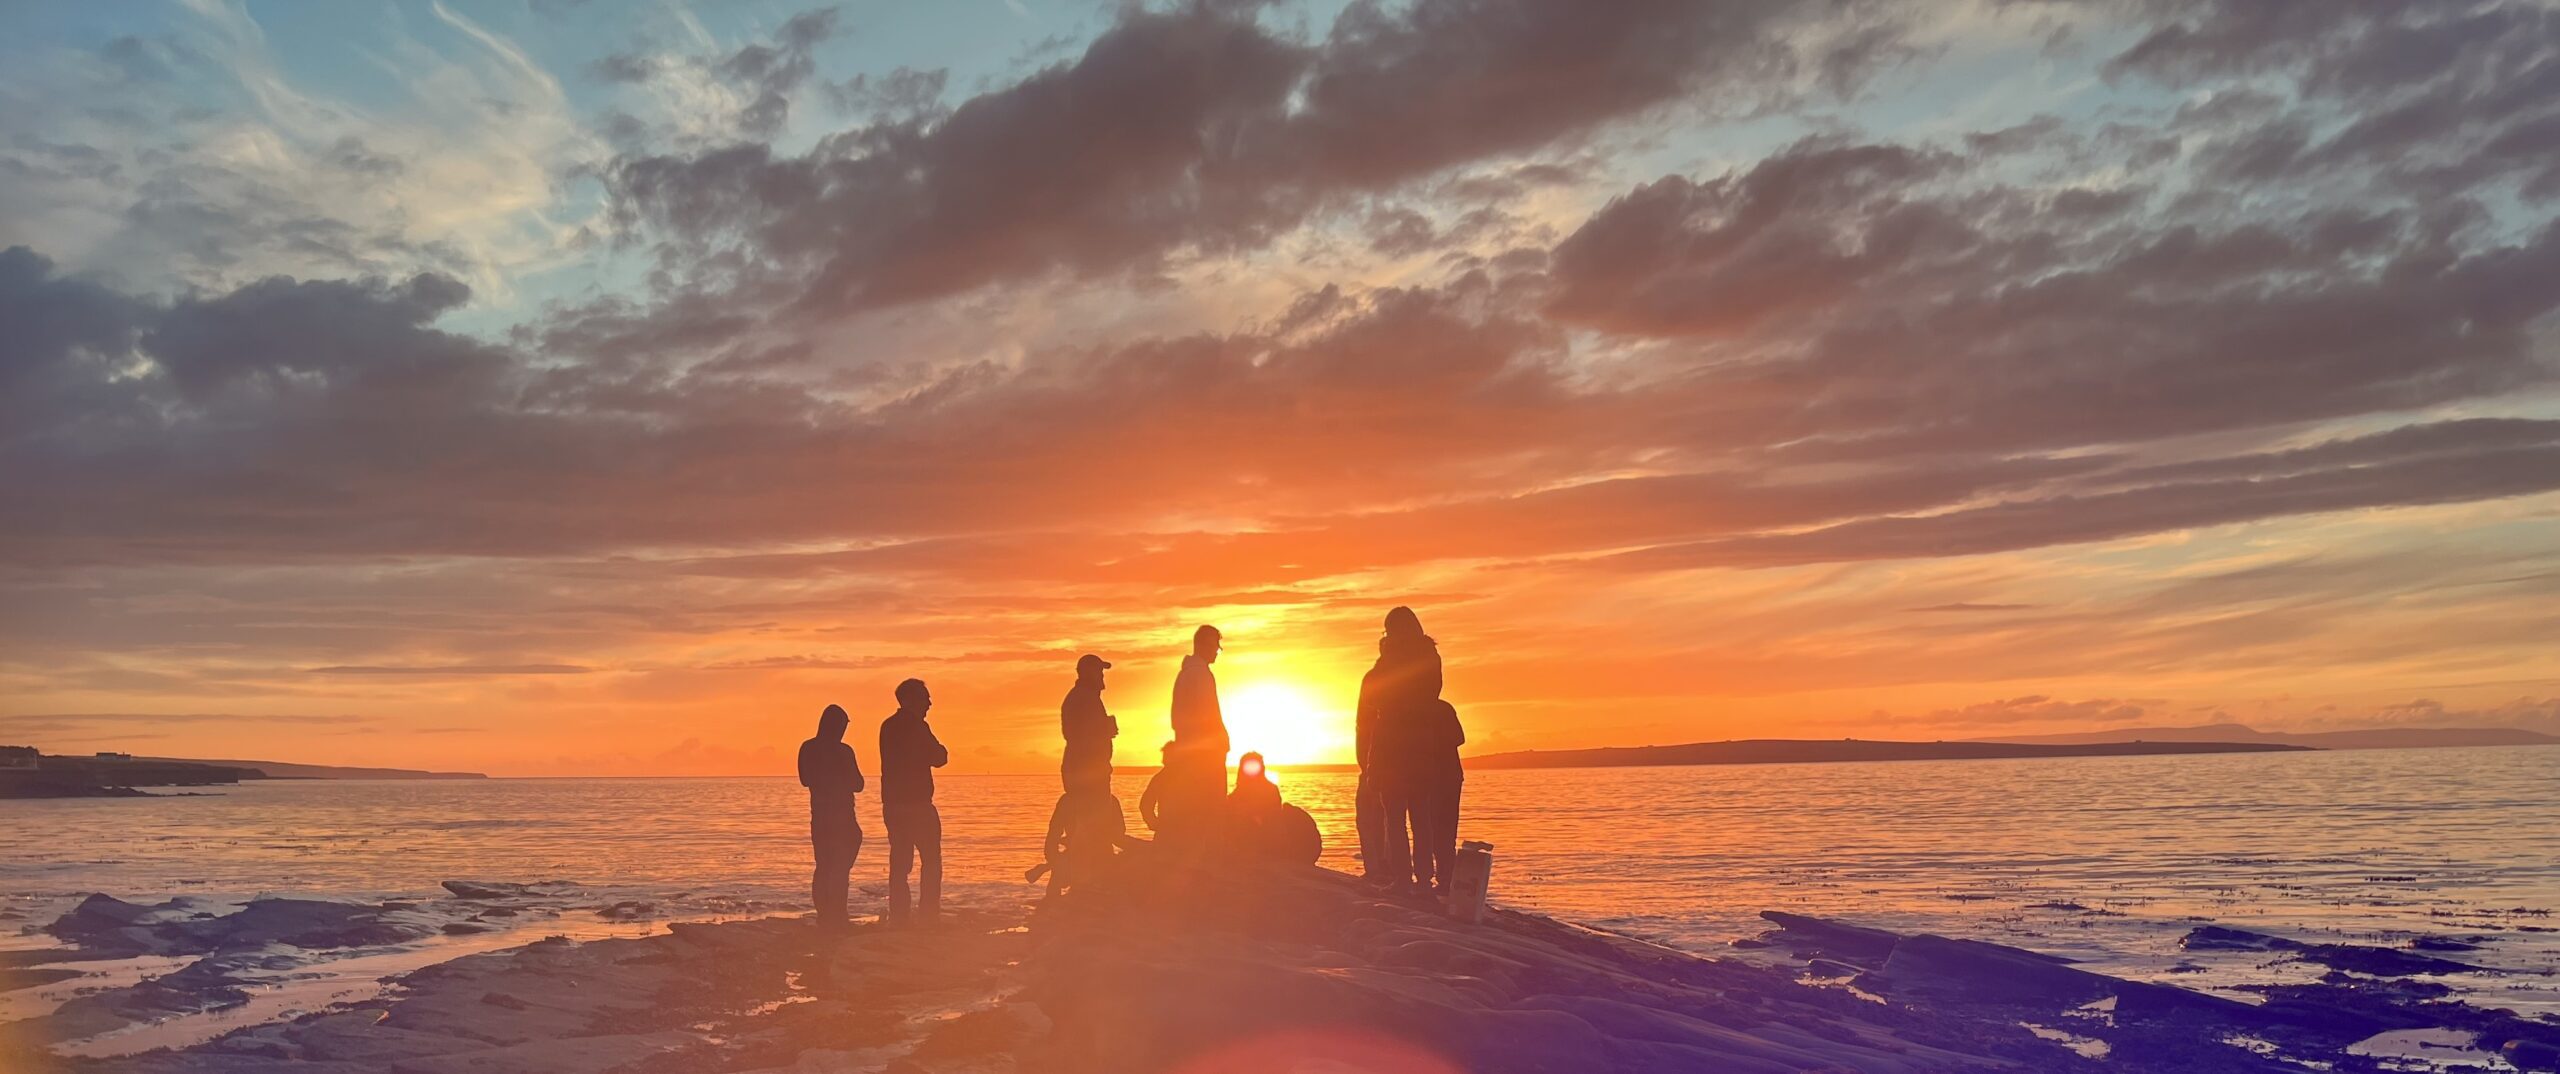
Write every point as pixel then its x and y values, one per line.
pixel 1279 721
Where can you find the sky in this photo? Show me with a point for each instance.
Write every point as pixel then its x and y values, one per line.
pixel 571 387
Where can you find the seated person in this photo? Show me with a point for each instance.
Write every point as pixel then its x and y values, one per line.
pixel 1151 800
pixel 1262 828
pixel 1084 836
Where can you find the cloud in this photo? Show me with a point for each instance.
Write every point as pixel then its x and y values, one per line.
pixel 188 155
pixel 2039 709
pixel 1189 130
pixel 1637 342
pixel 2532 713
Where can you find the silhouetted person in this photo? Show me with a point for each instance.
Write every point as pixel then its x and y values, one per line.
pixel 1084 836
pixel 1438 779
pixel 1368 816
pixel 833 776
pixel 1196 766
pixel 1087 727
pixel 1151 799
pixel 1395 705
pixel 908 755
pixel 1259 827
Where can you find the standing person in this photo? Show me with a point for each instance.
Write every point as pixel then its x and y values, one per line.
pixel 833 775
pixel 1399 692
pixel 908 755
pixel 1368 816
pixel 1439 778
pixel 1197 762
pixel 1087 727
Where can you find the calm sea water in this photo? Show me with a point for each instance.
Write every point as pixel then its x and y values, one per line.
pixel 2108 860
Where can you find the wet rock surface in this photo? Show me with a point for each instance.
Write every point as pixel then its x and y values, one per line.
pixel 2142 1025
pixel 1178 969
pixel 102 923
pixel 2376 961
pixel 1167 967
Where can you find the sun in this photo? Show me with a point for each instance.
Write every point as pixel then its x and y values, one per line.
pixel 1279 721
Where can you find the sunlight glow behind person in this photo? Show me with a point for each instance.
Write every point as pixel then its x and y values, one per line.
pixel 1283 724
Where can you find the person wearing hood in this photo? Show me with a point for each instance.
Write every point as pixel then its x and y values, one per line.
pixel 832 774
pixel 1391 732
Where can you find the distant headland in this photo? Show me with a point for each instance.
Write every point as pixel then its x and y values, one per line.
pixel 1801 751
pixel 26 772
pixel 2370 738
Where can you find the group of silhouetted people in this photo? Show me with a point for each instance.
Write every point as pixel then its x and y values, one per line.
pixel 909 753
pixel 1410 778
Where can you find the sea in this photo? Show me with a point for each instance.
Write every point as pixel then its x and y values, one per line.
pixel 2106 860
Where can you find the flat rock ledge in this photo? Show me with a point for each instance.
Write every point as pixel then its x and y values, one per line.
pixel 1165 967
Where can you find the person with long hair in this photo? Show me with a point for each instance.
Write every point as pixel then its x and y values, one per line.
pixel 1392 729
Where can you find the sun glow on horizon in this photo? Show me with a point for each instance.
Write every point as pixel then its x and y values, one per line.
pixel 1281 722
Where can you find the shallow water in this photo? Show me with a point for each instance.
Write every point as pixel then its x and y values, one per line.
pixel 2108 860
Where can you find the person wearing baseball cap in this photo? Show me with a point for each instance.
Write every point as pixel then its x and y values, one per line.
pixel 1088 728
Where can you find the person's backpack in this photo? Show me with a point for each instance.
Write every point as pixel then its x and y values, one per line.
pixel 1294 836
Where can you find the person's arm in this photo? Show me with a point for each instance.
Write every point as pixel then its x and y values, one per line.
pixel 934 748
pixel 1149 804
pixel 854 761
pixel 1364 718
pixel 804 764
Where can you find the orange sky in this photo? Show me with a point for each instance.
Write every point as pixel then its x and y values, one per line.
pixel 1807 373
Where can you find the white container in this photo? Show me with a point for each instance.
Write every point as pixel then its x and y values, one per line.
pixel 1470 878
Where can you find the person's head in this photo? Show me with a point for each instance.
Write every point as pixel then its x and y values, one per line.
pixel 1205 643
pixel 913 697
pixel 1253 783
pixel 1402 623
pixel 1089 670
pixel 831 723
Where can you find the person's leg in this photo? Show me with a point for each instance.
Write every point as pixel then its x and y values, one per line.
pixel 1394 858
pixel 928 839
pixel 827 881
pixel 1444 833
pixel 1364 822
pixel 902 851
pixel 1419 816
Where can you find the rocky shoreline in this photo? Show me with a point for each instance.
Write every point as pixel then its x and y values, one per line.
pixel 1170 968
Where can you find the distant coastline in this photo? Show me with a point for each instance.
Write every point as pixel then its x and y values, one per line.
pixel 28 773
pixel 1812 751
pixel 2370 738
pixel 288 770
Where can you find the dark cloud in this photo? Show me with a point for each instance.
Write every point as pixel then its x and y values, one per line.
pixel 1904 305
pixel 772 73
pixel 2431 99
pixel 2446 471
pixel 1192 130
